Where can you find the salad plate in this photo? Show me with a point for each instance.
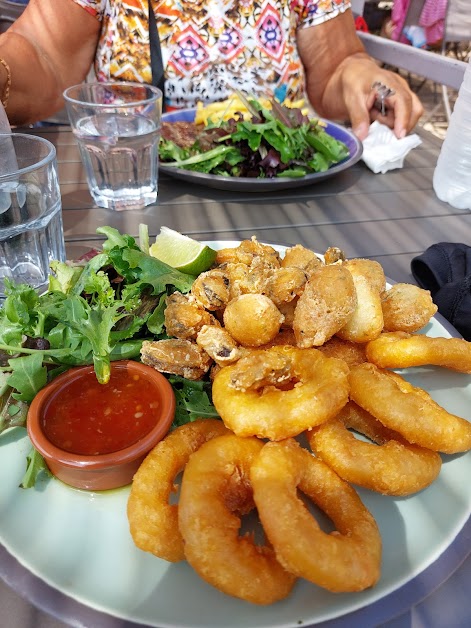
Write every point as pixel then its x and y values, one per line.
pixel 248 184
pixel 71 553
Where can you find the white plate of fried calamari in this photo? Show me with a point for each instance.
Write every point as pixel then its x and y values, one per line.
pixel 79 543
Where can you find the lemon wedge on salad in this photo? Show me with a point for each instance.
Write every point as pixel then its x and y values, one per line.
pixel 181 252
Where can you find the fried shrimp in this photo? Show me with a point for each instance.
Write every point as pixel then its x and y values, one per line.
pixel 407 307
pixel 389 465
pixel 348 559
pixel 367 322
pixel 211 289
pixel 403 350
pixel 327 303
pixel 252 319
pixel 184 317
pixel 180 357
pixel 408 410
pixel 218 344
pixel 153 521
pixel 317 389
pixel 215 491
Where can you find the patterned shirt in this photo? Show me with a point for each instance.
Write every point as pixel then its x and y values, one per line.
pixel 209 47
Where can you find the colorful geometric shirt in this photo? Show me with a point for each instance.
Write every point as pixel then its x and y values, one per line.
pixel 209 47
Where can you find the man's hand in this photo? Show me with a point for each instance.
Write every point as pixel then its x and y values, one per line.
pixel 340 76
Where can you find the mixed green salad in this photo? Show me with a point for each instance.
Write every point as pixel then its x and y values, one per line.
pixel 276 142
pixel 93 312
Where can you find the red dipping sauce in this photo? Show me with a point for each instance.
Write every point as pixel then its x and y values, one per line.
pixel 89 418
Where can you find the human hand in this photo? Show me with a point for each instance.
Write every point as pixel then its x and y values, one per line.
pixel 403 108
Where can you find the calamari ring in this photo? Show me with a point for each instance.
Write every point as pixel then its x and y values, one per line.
pixel 318 390
pixel 390 467
pixel 403 350
pixel 153 521
pixel 215 490
pixel 408 410
pixel 346 560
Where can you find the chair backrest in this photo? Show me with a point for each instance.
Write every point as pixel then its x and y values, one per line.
pixel 458 21
pixel 430 65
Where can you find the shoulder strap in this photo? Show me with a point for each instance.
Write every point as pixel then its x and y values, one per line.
pixel 156 63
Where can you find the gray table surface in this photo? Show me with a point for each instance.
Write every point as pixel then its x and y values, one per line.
pixel 389 218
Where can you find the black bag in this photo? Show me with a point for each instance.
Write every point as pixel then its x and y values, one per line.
pixel 445 270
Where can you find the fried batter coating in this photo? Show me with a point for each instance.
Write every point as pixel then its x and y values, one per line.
pixel 334 255
pixel 258 369
pixel 218 344
pixel 285 284
pixel 366 323
pixel 317 389
pixel 215 490
pixel 184 317
pixel 252 319
pixel 408 410
pixel 247 251
pixel 348 559
pixel 371 270
pixel 402 350
pixel 288 309
pixel 180 357
pixel 327 303
pixel 153 521
pixel 389 465
pixel 351 352
pixel 407 307
pixel 301 257
pixel 211 289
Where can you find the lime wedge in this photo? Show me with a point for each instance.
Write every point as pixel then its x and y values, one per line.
pixel 181 252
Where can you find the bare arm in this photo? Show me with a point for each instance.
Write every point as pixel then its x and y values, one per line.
pixel 339 76
pixel 49 47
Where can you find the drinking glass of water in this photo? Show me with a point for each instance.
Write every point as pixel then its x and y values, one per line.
pixel 117 126
pixel 31 234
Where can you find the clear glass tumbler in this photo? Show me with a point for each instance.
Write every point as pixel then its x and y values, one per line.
pixel 117 126
pixel 31 233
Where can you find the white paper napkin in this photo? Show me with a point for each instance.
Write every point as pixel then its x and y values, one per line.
pixel 383 151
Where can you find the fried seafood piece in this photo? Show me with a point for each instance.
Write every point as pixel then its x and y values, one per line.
pixel 247 251
pixel 316 390
pixel 219 345
pixel 408 410
pixel 388 465
pixel 407 307
pixel 284 337
pixel 285 284
pixel 348 559
pixel 184 317
pixel 402 350
pixel 333 255
pixel 246 279
pixel 351 352
pixel 258 369
pixel 180 357
pixel 301 257
pixel 366 323
pixel 252 319
pixel 211 289
pixel 153 520
pixel 288 309
pixel 327 303
pixel 215 492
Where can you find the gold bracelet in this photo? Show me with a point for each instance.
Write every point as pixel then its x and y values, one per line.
pixel 6 89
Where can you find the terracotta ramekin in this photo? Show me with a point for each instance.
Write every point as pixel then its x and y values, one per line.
pixel 102 471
